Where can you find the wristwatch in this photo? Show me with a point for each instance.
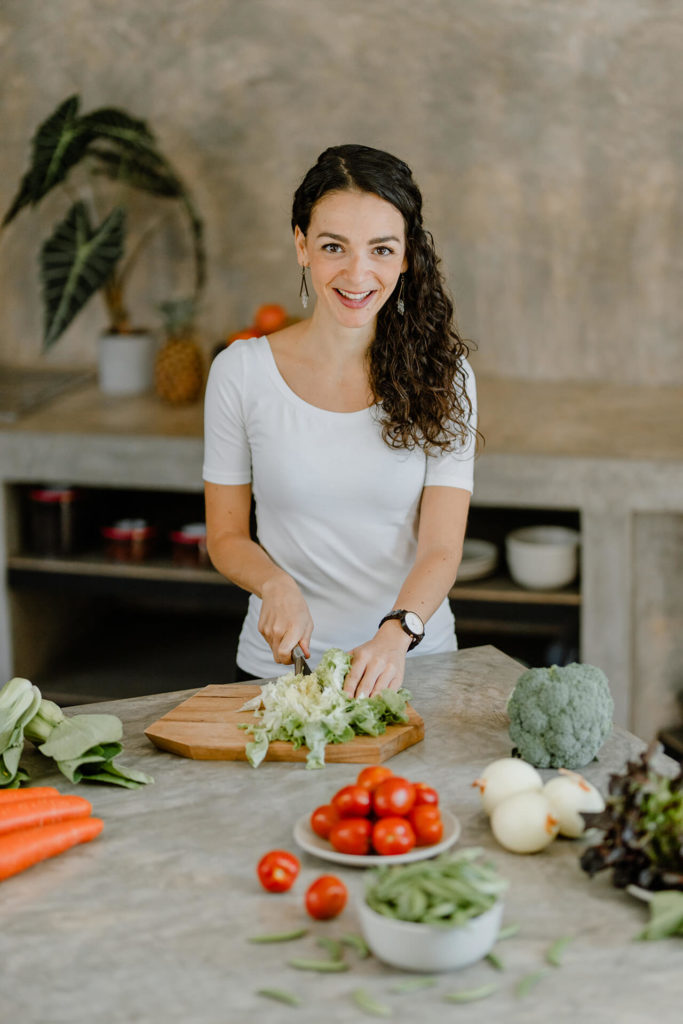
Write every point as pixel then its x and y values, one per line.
pixel 411 623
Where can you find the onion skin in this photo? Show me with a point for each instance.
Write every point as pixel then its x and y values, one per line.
pixel 505 777
pixel 524 823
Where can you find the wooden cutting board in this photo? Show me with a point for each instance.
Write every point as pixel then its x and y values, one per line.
pixel 205 728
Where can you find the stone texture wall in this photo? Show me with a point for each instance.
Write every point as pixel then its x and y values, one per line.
pixel 547 138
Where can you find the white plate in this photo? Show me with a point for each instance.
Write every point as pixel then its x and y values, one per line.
pixel 306 838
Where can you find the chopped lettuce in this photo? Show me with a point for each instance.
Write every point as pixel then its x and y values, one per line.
pixel 313 711
pixel 333 667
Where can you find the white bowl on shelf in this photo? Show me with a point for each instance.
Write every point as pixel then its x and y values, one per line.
pixel 479 559
pixel 542 557
pixel 427 947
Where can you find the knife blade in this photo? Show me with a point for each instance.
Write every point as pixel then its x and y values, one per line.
pixel 300 663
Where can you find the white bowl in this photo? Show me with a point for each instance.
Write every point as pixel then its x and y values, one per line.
pixel 542 557
pixel 428 947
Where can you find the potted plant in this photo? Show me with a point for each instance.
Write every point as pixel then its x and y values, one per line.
pixel 87 253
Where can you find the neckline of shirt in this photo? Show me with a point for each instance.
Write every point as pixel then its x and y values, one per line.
pixel 284 387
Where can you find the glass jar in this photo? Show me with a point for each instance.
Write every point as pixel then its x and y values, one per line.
pixel 189 545
pixel 54 520
pixel 129 540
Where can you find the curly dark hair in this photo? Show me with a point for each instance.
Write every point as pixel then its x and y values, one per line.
pixel 415 361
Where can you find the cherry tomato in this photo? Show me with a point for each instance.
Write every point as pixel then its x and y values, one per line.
pixel 427 824
pixel 351 835
pixel 352 802
pixel 323 818
pixel 277 870
pixel 392 835
pixel 393 796
pixel 326 897
pixel 424 794
pixel 371 776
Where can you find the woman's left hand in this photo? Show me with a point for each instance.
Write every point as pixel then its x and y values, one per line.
pixel 378 664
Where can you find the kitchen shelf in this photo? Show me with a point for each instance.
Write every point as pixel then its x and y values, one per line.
pixel 92 564
pixel 499 589
pixel 502 589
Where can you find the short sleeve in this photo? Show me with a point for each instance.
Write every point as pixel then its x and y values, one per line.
pixel 456 468
pixel 227 458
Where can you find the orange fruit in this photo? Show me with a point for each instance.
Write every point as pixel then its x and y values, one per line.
pixel 269 318
pixel 246 332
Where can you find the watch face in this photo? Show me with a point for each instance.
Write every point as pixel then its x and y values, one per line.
pixel 414 623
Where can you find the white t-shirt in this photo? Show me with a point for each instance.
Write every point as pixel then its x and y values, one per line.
pixel 336 507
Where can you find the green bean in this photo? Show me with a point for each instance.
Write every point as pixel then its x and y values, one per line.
pixel 279 995
pixel 554 952
pixel 469 995
pixel 333 947
pixel 296 933
pixel 413 985
pixel 447 890
pixel 528 982
pixel 364 1001
pixel 324 966
pixel 495 961
pixel 356 942
pixel 507 932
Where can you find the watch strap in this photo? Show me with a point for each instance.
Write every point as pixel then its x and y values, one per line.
pixel 400 614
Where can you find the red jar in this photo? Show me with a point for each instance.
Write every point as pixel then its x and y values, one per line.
pixel 189 545
pixel 129 540
pixel 54 520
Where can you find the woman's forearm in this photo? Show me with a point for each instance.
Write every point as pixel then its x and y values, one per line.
pixel 245 563
pixel 429 581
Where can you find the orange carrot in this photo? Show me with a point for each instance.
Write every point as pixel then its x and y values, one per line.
pixel 27 846
pixel 28 813
pixel 27 793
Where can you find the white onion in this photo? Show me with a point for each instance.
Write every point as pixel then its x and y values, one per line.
pixel 503 778
pixel 525 822
pixel 570 794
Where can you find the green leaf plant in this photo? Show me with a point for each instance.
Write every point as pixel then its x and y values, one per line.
pixel 87 252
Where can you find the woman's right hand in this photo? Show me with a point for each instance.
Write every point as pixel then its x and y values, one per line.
pixel 285 620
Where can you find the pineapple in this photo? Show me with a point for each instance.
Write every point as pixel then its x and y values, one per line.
pixel 179 368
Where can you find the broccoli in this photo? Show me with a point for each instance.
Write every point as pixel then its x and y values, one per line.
pixel 560 716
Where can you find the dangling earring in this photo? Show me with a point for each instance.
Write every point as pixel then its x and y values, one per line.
pixel 400 304
pixel 303 290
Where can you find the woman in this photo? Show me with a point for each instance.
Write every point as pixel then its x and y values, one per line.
pixel 354 431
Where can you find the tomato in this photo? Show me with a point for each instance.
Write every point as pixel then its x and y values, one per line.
pixel 270 317
pixel 351 835
pixel 277 870
pixel 352 802
pixel 392 835
pixel 427 824
pixel 326 897
pixel 424 794
pixel 371 776
pixel 393 796
pixel 323 818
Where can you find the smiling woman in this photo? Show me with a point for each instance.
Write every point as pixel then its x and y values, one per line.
pixel 353 431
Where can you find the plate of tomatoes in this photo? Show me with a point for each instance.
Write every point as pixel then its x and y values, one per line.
pixel 381 817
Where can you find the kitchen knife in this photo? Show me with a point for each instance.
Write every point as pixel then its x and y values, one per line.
pixel 300 663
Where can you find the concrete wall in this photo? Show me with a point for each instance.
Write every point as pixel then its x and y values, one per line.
pixel 546 136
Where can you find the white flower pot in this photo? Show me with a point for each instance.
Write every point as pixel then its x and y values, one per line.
pixel 126 363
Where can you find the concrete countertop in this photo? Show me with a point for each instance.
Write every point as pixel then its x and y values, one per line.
pixel 579 418
pixel 149 922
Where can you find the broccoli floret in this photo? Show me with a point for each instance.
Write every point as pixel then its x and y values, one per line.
pixel 560 716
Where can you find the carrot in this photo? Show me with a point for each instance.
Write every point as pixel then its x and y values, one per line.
pixel 27 846
pixel 8 796
pixel 27 813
